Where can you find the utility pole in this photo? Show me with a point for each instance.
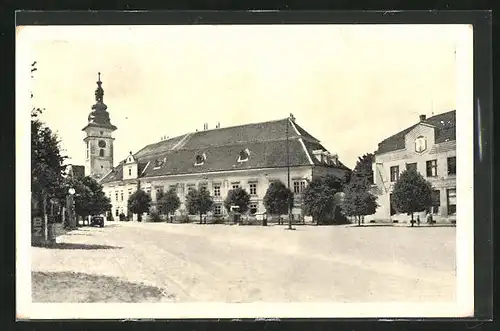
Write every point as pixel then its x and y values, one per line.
pixel 288 173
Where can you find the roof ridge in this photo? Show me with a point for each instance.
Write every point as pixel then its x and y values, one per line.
pixel 441 114
pixel 239 125
pixel 192 133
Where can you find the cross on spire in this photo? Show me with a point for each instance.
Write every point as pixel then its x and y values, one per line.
pixel 99 92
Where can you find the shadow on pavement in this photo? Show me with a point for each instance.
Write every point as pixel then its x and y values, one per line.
pixel 81 246
pixel 426 226
pixel 78 234
pixel 81 287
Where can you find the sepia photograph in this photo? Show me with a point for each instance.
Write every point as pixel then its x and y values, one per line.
pixel 244 171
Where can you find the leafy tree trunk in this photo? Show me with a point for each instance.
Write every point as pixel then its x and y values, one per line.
pixel 200 218
pixel 359 220
pixel 139 217
pixel 411 219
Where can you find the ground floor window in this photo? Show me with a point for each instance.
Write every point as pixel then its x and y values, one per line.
pixel 299 186
pixel 253 208
pixel 218 210
pixel 116 212
pixel 436 201
pixel 452 201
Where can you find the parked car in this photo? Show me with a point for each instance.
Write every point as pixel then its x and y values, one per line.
pixel 97 220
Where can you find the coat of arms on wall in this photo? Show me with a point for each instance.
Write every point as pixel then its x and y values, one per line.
pixel 420 144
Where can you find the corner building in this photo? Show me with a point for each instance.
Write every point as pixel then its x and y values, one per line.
pixel 249 156
pixel 429 146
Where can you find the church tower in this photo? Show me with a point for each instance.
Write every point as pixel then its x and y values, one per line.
pixel 98 139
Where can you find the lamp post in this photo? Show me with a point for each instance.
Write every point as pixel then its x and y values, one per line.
pixel 70 206
pixel 288 174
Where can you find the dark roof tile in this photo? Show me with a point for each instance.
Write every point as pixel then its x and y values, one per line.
pixel 266 142
pixel 445 130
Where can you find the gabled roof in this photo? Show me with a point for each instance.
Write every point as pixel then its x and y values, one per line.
pixel 445 130
pixel 265 141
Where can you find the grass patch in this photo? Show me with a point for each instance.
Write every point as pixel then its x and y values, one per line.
pixel 85 288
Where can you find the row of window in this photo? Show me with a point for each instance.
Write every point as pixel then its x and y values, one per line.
pixel 451 202
pixel 120 194
pixel 430 166
pixel 298 188
pixel 217 210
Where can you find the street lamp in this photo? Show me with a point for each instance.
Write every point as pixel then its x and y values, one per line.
pixel 288 174
pixel 70 206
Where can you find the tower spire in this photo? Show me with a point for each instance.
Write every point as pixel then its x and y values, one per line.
pixel 99 92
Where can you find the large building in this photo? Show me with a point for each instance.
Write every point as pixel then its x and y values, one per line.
pixel 429 146
pixel 250 156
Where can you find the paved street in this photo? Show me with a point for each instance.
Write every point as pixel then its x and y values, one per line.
pixel 191 262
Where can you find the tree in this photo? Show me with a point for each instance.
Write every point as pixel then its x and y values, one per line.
pixel 89 197
pixel 364 166
pixel 358 201
pixel 237 197
pixel 199 202
pixel 319 200
pixel 168 203
pixel 278 199
pixel 139 203
pixel 334 182
pixel 47 169
pixel 411 193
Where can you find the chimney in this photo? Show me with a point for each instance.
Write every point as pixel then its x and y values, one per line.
pixel 422 118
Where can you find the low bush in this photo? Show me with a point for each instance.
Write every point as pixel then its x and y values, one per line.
pixel 250 221
pixel 217 220
pixel 154 216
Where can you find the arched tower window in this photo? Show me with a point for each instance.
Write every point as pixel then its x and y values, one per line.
pixel 101 152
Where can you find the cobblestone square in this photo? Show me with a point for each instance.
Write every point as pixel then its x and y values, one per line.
pixel 221 263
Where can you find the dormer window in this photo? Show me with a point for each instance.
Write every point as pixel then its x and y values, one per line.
pixel 318 154
pixel 243 156
pixel 200 159
pixel 159 162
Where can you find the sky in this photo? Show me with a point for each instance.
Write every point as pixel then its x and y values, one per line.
pixel 350 86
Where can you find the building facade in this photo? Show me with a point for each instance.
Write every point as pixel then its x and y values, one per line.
pixel 429 146
pixel 249 156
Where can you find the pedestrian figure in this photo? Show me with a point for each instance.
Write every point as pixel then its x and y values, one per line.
pixel 429 218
